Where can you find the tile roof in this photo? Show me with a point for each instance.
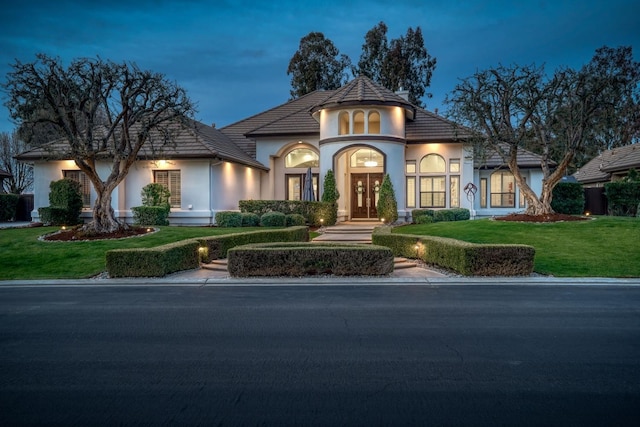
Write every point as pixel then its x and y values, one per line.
pixel 618 159
pixel 492 159
pixel 193 140
pixel 364 91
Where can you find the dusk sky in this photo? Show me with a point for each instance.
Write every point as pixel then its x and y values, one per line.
pixel 232 56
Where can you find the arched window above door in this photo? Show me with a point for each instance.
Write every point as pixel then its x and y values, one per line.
pixel 432 163
pixel 302 158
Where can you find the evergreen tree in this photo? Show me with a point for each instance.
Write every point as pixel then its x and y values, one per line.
pixel 330 192
pixel 387 206
pixel 316 65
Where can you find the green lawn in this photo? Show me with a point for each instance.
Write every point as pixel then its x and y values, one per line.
pixel 601 247
pixel 23 256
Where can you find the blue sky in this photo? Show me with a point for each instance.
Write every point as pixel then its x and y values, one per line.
pixel 232 56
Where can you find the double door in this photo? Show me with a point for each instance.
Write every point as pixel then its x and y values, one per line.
pixel 365 191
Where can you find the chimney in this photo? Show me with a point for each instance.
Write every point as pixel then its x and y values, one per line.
pixel 404 94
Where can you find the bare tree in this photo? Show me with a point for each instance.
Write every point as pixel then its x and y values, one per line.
pixel 519 107
pixel 21 173
pixel 104 111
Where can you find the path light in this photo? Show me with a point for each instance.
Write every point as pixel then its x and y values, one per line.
pixel 417 248
pixel 321 222
pixel 382 219
pixel 64 227
pixel 587 213
pixel 203 252
pixel 148 230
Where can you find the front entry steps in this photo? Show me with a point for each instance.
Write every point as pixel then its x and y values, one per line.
pixel 347 233
pixel 220 265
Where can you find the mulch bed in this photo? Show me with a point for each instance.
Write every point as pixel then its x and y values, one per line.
pixel 77 234
pixel 556 217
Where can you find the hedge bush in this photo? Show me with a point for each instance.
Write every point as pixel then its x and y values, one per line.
pixel 273 219
pixel 8 206
pixel 151 215
pixel 65 203
pixel 300 259
pixel 568 198
pixel 469 259
pixel 228 219
pixel 187 254
pixel 623 198
pixel 153 262
pixel 426 216
pixel 387 206
pixel 216 247
pixel 312 211
pixel 249 219
pixel 294 219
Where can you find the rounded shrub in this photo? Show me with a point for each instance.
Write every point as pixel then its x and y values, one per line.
pixel 423 219
pixel 295 219
pixel 568 198
pixel 249 219
pixel 273 219
pixel 228 219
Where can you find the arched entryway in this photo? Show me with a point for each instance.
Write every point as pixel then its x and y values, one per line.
pixel 362 170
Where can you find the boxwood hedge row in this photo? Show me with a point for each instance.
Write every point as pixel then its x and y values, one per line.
pixel 301 259
pixel 469 259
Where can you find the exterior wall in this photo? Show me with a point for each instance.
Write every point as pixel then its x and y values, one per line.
pixel 199 203
pixel 533 177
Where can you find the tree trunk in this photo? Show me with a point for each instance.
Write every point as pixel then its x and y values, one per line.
pixel 104 220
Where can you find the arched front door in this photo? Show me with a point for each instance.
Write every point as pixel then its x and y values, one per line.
pixel 365 191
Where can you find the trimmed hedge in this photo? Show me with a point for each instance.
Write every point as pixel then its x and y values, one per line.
pixel 426 216
pixel 150 215
pixel 623 198
pixel 153 262
pixel 249 219
pixel 313 212
pixel 300 259
pixel 568 198
pixel 469 259
pixel 216 247
pixel 273 219
pixel 228 219
pixel 295 219
pixel 187 254
pixel 8 206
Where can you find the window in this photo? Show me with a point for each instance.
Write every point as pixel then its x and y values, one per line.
pixel 411 191
pixel 502 190
pixel 374 122
pixel 358 122
pixel 171 180
pixel 85 185
pixel 483 192
pixel 295 186
pixel 302 158
pixel 432 163
pixel 410 166
pixel 366 158
pixel 432 192
pixel 454 165
pixel 454 191
pixel 343 120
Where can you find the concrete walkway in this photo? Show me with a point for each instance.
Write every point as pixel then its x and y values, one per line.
pixel 15 224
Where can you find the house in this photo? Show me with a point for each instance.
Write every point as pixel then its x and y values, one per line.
pixel 361 131
pixel 610 165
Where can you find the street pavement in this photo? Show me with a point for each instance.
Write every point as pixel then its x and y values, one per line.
pixel 352 354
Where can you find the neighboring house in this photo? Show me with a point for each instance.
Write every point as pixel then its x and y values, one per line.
pixel 3 174
pixel 360 131
pixel 611 165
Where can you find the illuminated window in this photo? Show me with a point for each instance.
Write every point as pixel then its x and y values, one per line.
pixel 170 179
pixel 374 122
pixel 85 185
pixel 295 186
pixel 503 190
pixel 411 191
pixel 410 166
pixel 432 163
pixel 366 158
pixel 454 165
pixel 358 122
pixel 343 120
pixel 432 192
pixel 483 192
pixel 302 158
pixel 454 191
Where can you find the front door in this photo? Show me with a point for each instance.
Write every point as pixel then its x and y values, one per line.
pixel 365 190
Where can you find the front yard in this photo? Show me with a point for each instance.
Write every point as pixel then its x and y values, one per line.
pixel 600 247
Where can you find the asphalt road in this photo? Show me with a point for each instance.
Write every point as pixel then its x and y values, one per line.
pixel 320 355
